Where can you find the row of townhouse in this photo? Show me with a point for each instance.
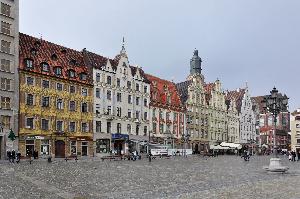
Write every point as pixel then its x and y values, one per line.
pixel 213 115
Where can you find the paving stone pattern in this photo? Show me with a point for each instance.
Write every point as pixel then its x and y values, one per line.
pixel 193 177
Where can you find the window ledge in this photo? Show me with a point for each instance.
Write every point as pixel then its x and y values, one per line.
pixel 6 53
pixel 8 35
pixel 1 14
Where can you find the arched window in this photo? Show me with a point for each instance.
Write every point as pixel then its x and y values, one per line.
pixel 58 71
pixel 54 57
pixel 45 67
pixel 28 63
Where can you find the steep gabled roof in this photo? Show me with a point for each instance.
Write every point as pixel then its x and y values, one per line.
pixel 182 89
pixel 41 51
pixel 238 96
pixel 94 60
pixel 160 88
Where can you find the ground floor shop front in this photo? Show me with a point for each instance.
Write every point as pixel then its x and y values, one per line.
pixel 119 144
pixel 55 146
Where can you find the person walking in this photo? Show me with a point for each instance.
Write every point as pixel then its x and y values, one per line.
pixel 18 157
pixel 8 154
pixel 13 155
pixel 290 156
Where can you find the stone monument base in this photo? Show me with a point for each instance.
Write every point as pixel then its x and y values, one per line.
pixel 275 166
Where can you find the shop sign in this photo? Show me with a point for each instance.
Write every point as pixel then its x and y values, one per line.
pixel 119 136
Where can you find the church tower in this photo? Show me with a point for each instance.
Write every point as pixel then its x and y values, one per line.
pixel 195 64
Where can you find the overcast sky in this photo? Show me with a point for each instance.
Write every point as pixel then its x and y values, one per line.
pixel 239 41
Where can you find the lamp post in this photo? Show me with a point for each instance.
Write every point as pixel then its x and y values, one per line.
pixel 148 147
pixel 274 104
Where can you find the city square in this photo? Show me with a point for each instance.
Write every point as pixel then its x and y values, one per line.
pixel 177 177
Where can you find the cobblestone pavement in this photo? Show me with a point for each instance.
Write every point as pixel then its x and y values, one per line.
pixel 192 177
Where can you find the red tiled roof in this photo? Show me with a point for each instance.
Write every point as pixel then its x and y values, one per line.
pixel 237 96
pixel 208 88
pixel 159 86
pixel 258 101
pixel 44 52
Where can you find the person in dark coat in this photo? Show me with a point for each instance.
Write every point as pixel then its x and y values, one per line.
pixel 18 156
pixel 13 156
pixel 8 153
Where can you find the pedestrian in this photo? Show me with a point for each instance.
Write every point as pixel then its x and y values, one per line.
pixel 18 157
pixel 13 155
pixel 293 156
pixel 290 156
pixel 8 154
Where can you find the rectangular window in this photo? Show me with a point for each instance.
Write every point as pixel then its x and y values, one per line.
pixel 5 121
pixel 73 148
pixel 29 123
pixel 128 129
pixel 5 84
pixel 108 124
pixel 5 65
pixel 145 115
pixel 137 87
pixel 5 46
pixel 98 92
pixel 161 128
pixel 72 106
pixel 45 84
pixel 5 102
pixel 108 110
pixel 129 114
pixel 5 9
pixel 45 101
pixel 145 89
pixel 59 86
pixel 145 130
pixel 72 126
pixel 29 81
pixel 97 77
pixel 59 126
pixel 119 97
pixel 154 127
pixel 98 126
pixel 84 107
pixel 119 111
pixel 84 127
pixel 137 101
pixel 145 102
pixel 129 99
pixel 128 84
pixel 72 89
pixel 45 124
pixel 118 82
pixel 59 104
pixel 29 99
pixel 108 95
pixel 102 146
pixel 298 141
pixel 137 114
pixel 118 127
pixel 84 92
pixel 108 80
pixel 5 28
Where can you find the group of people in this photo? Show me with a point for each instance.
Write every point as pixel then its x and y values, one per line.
pixel 246 155
pixel 292 156
pixel 12 155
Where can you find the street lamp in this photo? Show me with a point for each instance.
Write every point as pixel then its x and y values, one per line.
pixel 274 104
pixel 149 151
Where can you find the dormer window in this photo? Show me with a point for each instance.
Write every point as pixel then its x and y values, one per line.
pixel 45 67
pixel 63 51
pixel 54 57
pixel 71 73
pixel 73 62
pixel 28 63
pixel 58 71
pixel 33 51
pixel 37 43
pixel 83 76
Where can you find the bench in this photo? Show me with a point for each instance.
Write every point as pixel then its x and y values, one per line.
pixel 112 157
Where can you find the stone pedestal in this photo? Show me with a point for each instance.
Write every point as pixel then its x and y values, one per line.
pixel 275 166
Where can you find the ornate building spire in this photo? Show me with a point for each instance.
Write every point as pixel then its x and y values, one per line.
pixel 123 50
pixel 195 63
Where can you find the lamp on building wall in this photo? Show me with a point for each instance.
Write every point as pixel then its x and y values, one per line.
pixel 274 104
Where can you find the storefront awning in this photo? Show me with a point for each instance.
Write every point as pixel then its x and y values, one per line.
pixel 231 145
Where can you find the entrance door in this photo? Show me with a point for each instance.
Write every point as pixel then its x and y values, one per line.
pixel 196 149
pixel 84 148
pixel 59 149
pixel 118 146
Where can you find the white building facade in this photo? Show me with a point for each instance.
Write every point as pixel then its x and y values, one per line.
pixel 9 61
pixel 121 105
